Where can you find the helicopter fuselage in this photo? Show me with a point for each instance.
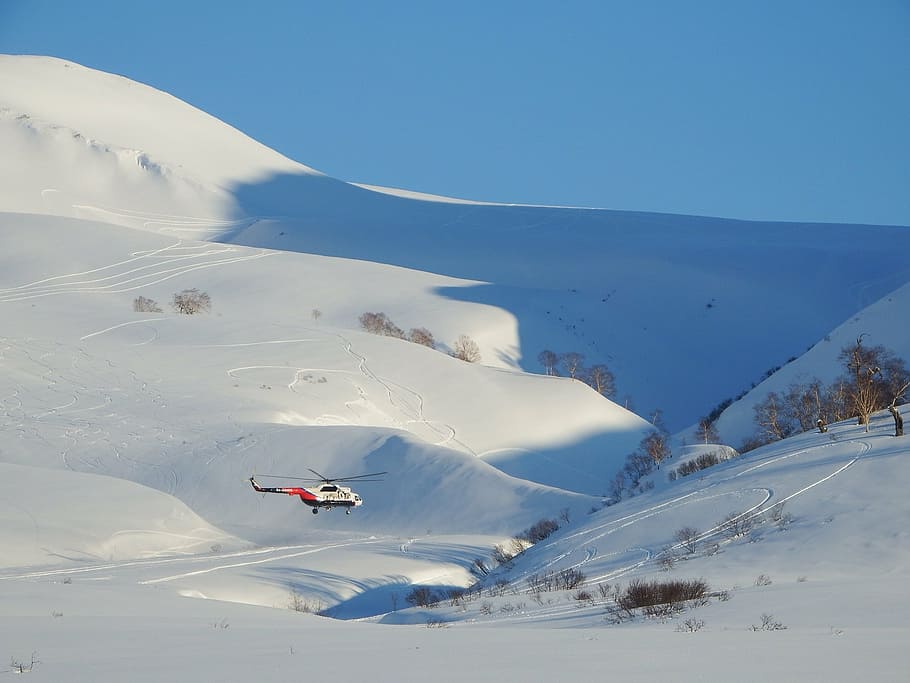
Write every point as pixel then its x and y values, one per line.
pixel 325 496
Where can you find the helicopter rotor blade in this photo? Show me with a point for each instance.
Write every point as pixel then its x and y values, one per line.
pixel 285 476
pixel 327 480
pixel 361 477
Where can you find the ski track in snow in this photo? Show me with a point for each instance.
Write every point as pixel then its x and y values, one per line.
pixel 259 555
pixel 584 542
pixel 413 410
pixel 141 269
pixel 200 228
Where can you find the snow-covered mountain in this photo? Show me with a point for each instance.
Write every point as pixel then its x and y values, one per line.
pixel 128 437
pixel 665 301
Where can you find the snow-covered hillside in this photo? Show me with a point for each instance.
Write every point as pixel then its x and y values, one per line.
pixel 136 549
pixel 665 301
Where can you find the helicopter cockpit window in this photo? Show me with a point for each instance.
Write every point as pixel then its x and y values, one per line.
pixel 329 487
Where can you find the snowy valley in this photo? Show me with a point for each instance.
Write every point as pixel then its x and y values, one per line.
pixel 135 548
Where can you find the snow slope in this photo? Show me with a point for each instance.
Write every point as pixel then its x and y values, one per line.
pixel 663 300
pixel 882 323
pixel 828 578
pixel 135 549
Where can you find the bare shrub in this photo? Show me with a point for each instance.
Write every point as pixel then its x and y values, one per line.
pixel 144 305
pixel 379 323
pixel 736 524
pixel 763 580
pixel 422 596
pixel 466 349
pixel 675 593
pixel 780 518
pixel 570 578
pixel 538 583
pixel 191 302
pixel 690 626
pixel 479 567
pixel 687 538
pixel 437 623
pixel 422 336
pixel 768 623
pixel 300 604
pixel 583 596
pixel 539 530
pixel 498 589
pixel 702 462
pixel 21 667
pixel 667 559
pixel 316 313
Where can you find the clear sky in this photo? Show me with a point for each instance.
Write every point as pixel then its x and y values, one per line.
pixel 767 109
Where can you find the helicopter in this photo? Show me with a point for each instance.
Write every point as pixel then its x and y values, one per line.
pixel 326 493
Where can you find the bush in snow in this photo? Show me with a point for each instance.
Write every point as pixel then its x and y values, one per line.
pixel 658 598
pixel 539 530
pixel 421 335
pixel 422 596
pixel 768 623
pixel 466 349
pixel 144 305
pixel 191 301
pixel 687 538
pixel 736 524
pixel 702 462
pixel 379 323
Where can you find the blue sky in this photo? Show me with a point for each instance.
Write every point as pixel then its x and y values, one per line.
pixel 775 109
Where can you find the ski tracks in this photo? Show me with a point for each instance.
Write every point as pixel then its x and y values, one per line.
pixel 408 402
pixel 141 269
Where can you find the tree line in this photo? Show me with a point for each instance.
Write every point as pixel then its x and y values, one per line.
pixel 873 379
pixel 572 364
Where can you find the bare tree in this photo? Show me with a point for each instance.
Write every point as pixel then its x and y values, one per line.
pixel 191 301
pixel 803 404
pixel 572 362
pixel 656 446
pixel 601 380
pixel 421 335
pixel 466 349
pixel 548 359
pixel 617 485
pixel 874 375
pixel 687 537
pixel 835 402
pixel 317 314
pixel 706 432
pixel 770 418
pixel 862 365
